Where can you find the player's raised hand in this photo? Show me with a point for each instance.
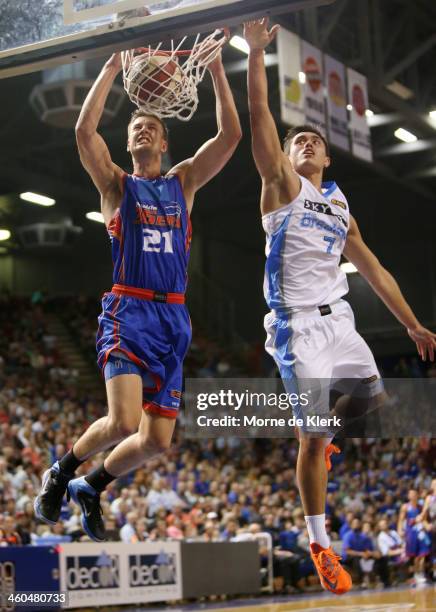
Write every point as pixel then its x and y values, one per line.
pixel 216 63
pixel 425 341
pixel 115 61
pixel 257 35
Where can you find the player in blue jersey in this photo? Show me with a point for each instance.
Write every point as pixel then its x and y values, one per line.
pixel 310 329
pixel 412 528
pixel 144 328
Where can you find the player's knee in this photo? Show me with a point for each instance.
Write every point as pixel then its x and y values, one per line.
pixel 122 428
pixel 155 444
pixel 312 447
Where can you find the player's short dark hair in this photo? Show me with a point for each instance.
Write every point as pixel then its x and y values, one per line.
pixel 141 112
pixel 305 127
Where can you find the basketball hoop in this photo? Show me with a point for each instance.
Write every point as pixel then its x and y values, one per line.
pixel 164 82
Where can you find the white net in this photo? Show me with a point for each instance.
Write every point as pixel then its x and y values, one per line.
pixel 164 82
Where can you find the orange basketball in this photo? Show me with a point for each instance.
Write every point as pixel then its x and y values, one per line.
pixel 154 77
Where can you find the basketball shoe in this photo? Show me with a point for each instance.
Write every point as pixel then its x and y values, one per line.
pixel 331 573
pixel 329 450
pixel 47 505
pixel 85 496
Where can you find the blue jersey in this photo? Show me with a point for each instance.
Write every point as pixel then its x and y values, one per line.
pixel 418 542
pixel 144 327
pixel 151 235
pixel 411 514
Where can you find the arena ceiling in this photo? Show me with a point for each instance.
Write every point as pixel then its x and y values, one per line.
pixel 388 40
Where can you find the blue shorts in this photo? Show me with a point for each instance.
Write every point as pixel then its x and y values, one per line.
pixel 418 542
pixel 151 339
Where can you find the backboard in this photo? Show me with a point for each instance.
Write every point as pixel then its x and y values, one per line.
pixel 36 35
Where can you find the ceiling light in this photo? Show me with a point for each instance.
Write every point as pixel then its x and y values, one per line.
pixel 36 198
pixel 405 136
pixel 240 43
pixel 95 216
pixel 302 77
pixel 5 234
pixel 400 90
pixel 348 268
pixel 369 112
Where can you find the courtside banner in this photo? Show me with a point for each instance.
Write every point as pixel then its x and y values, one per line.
pixel 154 571
pixel 27 571
pixel 115 573
pixel 337 119
pixel 274 408
pixel 359 128
pixel 291 90
pixel 314 100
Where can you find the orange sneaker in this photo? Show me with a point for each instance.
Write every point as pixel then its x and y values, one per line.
pixel 329 450
pixel 331 573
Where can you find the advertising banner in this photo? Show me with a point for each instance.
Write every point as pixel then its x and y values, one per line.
pixel 359 128
pixel 25 569
pixel 337 119
pixel 314 99
pixel 291 90
pixel 118 573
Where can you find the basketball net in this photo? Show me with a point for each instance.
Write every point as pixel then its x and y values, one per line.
pixel 164 82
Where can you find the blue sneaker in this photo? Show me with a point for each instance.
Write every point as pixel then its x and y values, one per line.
pixel 47 505
pixel 85 496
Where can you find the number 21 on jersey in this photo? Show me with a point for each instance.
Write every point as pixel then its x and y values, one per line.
pixel 158 242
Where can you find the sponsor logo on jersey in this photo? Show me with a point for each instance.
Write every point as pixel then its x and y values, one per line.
pixel 170 215
pixel 339 203
pixel 310 220
pixel 173 209
pixel 323 208
pixel 150 207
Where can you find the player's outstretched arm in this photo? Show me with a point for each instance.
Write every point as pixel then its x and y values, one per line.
pixel 401 519
pixel 386 287
pixel 271 162
pixel 216 152
pixel 93 151
pixel 425 509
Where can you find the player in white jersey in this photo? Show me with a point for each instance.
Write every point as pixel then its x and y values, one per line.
pixel 310 330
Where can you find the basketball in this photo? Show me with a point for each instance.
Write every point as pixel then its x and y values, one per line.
pixel 154 77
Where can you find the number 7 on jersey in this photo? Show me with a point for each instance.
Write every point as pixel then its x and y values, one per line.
pixel 331 242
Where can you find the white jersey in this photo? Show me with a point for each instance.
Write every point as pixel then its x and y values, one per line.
pixel 305 240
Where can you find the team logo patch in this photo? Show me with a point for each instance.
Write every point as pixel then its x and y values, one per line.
pixel 321 207
pixel 176 394
pixel 339 203
pixel 371 379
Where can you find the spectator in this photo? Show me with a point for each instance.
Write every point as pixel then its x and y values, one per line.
pixel 346 525
pixel 141 533
pixel 128 530
pixel 358 552
pixel 230 530
pixel 391 548
pixel 9 535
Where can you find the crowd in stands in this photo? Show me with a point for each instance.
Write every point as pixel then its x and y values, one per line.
pixel 208 490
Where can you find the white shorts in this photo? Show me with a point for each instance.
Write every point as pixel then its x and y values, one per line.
pixel 308 346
